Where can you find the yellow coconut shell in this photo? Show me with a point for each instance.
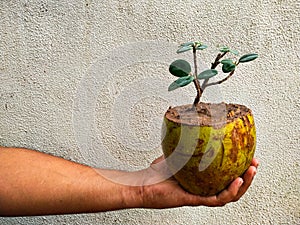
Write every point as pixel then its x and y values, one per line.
pixel 207 147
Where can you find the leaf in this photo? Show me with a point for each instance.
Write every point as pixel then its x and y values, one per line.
pixel 224 49
pixel 184 49
pixel 234 52
pixel 248 57
pixel 180 68
pixel 206 74
pixel 227 61
pixel 201 47
pixel 190 43
pixel 228 67
pixel 180 82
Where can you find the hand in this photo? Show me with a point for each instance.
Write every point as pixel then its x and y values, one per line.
pixel 168 193
pixel 34 183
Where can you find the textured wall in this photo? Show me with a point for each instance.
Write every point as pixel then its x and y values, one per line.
pixel 58 93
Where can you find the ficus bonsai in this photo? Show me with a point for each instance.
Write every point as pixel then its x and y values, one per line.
pixel 181 68
pixel 207 145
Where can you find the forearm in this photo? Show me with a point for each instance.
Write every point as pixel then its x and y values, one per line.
pixel 33 183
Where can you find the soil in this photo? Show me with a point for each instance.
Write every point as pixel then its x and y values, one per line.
pixel 206 114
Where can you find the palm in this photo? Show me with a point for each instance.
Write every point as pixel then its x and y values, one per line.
pixel 168 192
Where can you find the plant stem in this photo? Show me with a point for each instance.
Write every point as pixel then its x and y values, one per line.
pixel 221 81
pixel 217 60
pixel 213 66
pixel 196 81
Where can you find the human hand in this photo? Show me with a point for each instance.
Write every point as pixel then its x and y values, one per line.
pixel 53 185
pixel 168 193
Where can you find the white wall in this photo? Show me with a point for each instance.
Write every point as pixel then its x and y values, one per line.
pixel 55 59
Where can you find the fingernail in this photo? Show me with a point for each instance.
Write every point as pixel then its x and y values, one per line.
pixel 241 182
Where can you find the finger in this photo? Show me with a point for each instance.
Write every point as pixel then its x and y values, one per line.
pixel 236 189
pixel 248 178
pixel 157 172
pixel 225 196
pixel 230 193
pixel 254 162
pixel 159 159
pixel 160 165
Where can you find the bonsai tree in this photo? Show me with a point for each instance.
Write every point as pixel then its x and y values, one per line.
pixel 181 68
pixel 207 145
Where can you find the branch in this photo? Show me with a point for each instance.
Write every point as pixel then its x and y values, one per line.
pixel 220 81
pixel 196 81
pixel 217 60
pixel 213 66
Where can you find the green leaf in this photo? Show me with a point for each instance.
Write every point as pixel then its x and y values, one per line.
pixel 206 74
pixel 227 61
pixel 228 67
pixel 201 47
pixel 180 68
pixel 248 57
pixel 180 82
pixel 190 43
pixel 184 49
pixel 224 49
pixel 234 52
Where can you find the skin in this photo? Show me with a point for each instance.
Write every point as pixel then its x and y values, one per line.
pixel 34 183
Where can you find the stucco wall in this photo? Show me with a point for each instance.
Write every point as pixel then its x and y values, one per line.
pixel 54 69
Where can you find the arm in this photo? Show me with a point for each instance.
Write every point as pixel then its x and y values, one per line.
pixel 34 183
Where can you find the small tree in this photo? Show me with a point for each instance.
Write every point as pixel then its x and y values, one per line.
pixel 182 69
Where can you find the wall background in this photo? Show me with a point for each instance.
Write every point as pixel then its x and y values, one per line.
pixel 49 49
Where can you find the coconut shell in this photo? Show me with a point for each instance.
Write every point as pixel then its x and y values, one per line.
pixel 208 146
